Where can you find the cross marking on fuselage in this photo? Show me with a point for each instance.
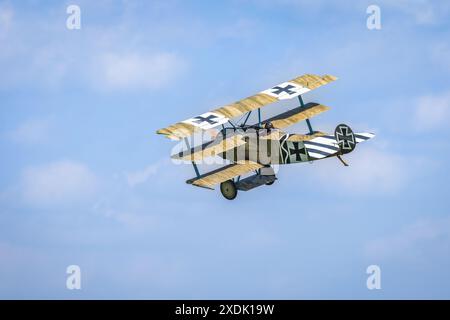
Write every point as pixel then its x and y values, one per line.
pixel 297 151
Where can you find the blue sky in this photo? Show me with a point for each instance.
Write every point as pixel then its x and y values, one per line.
pixel 84 179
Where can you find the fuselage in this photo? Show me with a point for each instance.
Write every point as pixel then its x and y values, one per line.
pixel 267 146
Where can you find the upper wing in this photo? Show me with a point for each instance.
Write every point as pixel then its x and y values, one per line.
pixel 295 115
pixel 282 91
pixel 208 180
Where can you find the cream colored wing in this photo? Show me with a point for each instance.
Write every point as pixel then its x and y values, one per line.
pixel 282 91
pixel 295 115
pixel 305 137
pixel 208 180
pixel 211 148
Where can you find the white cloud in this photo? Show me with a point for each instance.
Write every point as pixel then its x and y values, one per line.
pixel 424 12
pixel 118 57
pixel 141 176
pixel 410 240
pixel 6 19
pixel 239 29
pixel 370 170
pixel 139 222
pixel 33 131
pixel 138 71
pixel 432 112
pixel 63 182
pixel 440 55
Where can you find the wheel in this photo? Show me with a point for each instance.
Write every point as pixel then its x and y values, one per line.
pixel 228 189
pixel 270 183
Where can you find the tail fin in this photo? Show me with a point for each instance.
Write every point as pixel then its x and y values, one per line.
pixel 345 138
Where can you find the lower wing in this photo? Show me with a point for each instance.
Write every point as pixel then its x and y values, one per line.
pixel 208 180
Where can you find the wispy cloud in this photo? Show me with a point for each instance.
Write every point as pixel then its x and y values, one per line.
pixel 432 112
pixel 411 240
pixel 370 171
pixel 424 12
pixel 440 55
pixel 32 131
pixel 141 176
pixel 58 183
pixel 99 58
pixel 127 217
pixel 137 71
pixel 240 29
pixel 6 19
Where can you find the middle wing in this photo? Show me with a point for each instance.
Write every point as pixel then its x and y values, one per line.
pixel 295 115
pixel 276 134
pixel 208 180
pixel 210 148
pixel 282 91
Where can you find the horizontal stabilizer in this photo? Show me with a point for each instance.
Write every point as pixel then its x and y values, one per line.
pixel 326 145
pixel 360 137
pixel 321 147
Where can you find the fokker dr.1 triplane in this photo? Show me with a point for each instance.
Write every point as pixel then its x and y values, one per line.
pixel 257 147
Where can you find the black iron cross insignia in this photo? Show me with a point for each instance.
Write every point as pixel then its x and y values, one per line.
pixel 346 138
pixel 297 151
pixel 209 119
pixel 278 90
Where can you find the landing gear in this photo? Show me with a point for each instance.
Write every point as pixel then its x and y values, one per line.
pixel 270 183
pixel 228 189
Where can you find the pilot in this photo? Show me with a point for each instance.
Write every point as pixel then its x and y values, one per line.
pixel 268 126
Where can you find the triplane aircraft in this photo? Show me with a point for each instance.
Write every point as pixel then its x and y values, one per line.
pixel 256 148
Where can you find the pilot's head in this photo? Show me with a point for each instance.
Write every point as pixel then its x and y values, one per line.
pixel 268 125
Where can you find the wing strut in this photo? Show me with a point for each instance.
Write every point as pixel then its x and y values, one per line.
pixel 186 140
pixel 302 104
pixel 248 116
